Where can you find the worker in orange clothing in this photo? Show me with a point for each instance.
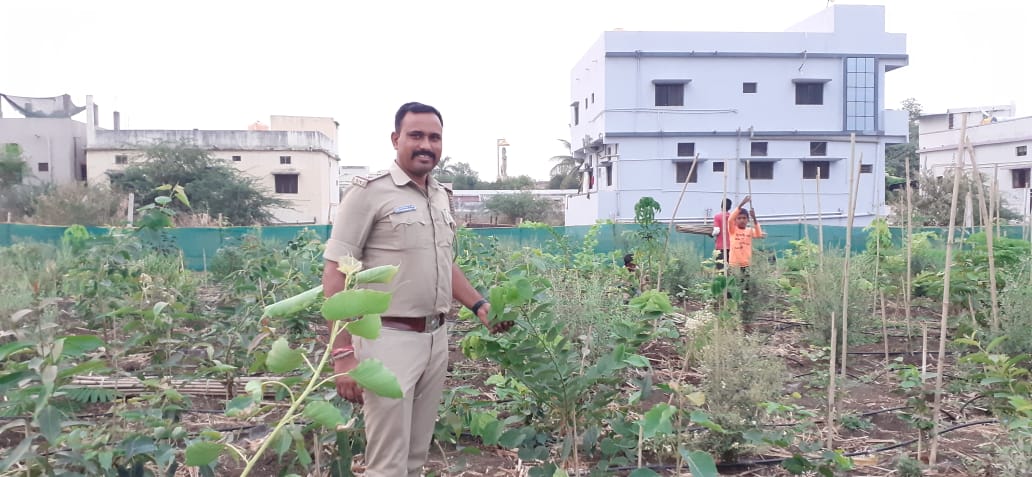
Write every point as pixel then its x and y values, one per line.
pixel 741 236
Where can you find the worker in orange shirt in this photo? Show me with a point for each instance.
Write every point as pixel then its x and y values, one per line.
pixel 741 236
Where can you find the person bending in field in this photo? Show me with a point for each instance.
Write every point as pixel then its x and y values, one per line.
pixel 741 236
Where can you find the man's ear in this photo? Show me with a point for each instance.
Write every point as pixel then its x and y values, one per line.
pixel 394 139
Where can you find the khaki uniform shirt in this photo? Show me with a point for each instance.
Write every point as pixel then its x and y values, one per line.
pixel 389 220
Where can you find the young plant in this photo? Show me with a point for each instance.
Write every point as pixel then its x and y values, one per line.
pixel 341 308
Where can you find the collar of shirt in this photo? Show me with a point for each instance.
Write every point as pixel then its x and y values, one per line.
pixel 400 178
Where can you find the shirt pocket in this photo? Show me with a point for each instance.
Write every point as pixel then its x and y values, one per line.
pixel 410 230
pixel 445 227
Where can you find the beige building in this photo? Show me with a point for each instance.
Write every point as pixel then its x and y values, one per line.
pixel 295 158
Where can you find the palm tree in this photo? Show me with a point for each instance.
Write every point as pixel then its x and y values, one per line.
pixel 567 166
pixel 444 169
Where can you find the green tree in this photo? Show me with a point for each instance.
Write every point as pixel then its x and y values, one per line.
pixel 212 184
pixel 12 166
pixel 460 174
pixel 520 205
pixel 932 200
pixel 523 182
pixel 896 154
pixel 566 171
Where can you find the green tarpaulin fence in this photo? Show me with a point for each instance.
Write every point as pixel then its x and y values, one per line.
pixel 199 245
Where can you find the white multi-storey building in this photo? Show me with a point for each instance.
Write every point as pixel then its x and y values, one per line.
pixel 1000 141
pixel 644 104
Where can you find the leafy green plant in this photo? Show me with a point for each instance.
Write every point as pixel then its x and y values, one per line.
pixel 341 309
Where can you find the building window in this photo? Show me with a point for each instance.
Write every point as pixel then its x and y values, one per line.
pixel 860 99
pixel 286 183
pixel 748 87
pixel 1019 178
pixel 609 174
pixel 761 170
pixel 592 98
pixel 236 158
pixel 685 149
pixel 43 166
pixel 866 168
pixel 818 148
pixel 576 113
pixel 1021 150
pixel 670 94
pixel 284 159
pixel 809 93
pixel 810 169
pixel 121 159
pixel 682 172
pixel 759 148
pixel 949 121
pixel 718 166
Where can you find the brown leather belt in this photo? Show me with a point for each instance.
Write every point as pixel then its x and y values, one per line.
pixel 423 324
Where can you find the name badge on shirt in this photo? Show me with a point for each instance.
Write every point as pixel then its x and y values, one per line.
pixel 404 208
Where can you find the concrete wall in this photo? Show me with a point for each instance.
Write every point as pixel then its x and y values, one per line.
pixel 327 126
pixel 234 140
pixel 58 142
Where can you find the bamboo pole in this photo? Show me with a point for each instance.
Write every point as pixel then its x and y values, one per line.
pixel 924 370
pixel 884 326
pixel 943 322
pixel 820 222
pixel 830 419
pixel 853 175
pixel 670 226
pixel 723 230
pixel 806 227
pixel 909 239
pixel 987 227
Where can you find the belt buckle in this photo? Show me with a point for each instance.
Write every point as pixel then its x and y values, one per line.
pixel 432 322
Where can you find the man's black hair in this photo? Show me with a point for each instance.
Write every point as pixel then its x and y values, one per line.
pixel 744 212
pixel 727 205
pixel 414 107
pixel 627 259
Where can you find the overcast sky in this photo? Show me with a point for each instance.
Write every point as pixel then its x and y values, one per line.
pixel 496 70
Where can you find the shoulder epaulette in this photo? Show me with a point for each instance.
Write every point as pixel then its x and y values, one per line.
pixel 362 181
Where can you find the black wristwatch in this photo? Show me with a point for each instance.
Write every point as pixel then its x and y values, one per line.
pixel 476 306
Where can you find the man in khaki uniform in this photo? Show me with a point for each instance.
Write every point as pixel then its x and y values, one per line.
pixel 402 217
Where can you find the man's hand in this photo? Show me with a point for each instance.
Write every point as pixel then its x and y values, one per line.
pixel 347 388
pixel 483 312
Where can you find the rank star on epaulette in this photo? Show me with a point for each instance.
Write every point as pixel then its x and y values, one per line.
pixel 359 181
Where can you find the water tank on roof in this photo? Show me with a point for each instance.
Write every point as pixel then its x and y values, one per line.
pixel 258 126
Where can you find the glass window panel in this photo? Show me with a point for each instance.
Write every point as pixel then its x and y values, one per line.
pixel 851 64
pixel 869 124
pixel 870 64
pixel 850 123
pixel 870 79
pixel 851 94
pixel 870 109
pixel 851 108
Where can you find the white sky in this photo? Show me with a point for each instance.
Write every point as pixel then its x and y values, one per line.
pixel 495 70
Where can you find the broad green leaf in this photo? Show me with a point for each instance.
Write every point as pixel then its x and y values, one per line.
pixel 636 360
pixel 700 463
pixel 381 274
pixel 697 398
pixel 202 453
pixel 372 375
pixel 644 472
pixel 324 414
pixel 49 420
pixel 294 304
pixel 281 358
pixel 159 307
pixel 16 454
pixel 703 419
pixel 105 458
pixel 367 327
pixel 138 445
pixel 180 194
pixel 254 388
pixel 162 200
pixel 10 349
pixel 163 187
pixel 49 377
pixel 78 345
pixel 657 420
pixel 350 303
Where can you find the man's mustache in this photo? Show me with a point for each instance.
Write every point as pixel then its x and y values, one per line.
pixel 426 152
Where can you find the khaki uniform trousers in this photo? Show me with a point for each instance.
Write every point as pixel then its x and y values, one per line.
pixel 398 431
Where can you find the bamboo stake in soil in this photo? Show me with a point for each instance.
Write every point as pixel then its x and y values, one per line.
pixel 726 244
pixel 849 250
pixel 884 326
pixel 987 227
pixel 908 239
pixel 830 419
pixel 670 227
pixel 943 322
pixel 924 369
